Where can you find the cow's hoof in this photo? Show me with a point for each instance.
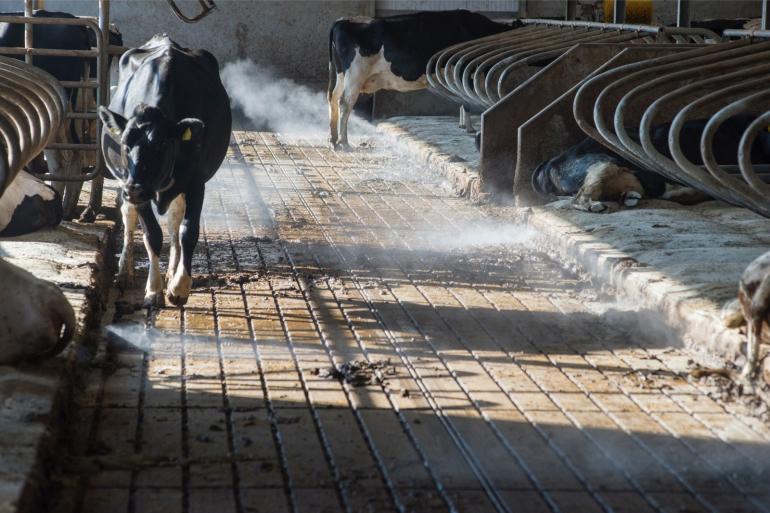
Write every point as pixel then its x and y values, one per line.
pixel 597 207
pixel 632 199
pixel 179 288
pixel 176 300
pixel 154 300
pixel 343 147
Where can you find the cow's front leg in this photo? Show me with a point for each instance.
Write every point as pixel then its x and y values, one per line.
pixel 174 220
pixel 125 277
pixel 153 242
pixel 179 287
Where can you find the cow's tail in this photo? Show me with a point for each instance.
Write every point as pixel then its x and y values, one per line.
pixel 332 65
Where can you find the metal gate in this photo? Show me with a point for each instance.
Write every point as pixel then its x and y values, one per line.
pixel 100 85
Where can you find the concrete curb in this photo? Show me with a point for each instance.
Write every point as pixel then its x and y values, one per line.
pixel 694 318
pixel 36 406
pixel 463 177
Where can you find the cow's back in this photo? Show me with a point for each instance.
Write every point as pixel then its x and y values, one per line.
pixel 182 83
pixel 409 40
pixel 65 37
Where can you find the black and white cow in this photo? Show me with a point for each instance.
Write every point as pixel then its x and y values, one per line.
pixel 28 205
pixel 370 54
pixel 165 134
pixel 593 174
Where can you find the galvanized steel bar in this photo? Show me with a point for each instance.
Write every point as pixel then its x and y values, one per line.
pixel 477 74
pixel 102 99
pixel 28 31
pixel 32 105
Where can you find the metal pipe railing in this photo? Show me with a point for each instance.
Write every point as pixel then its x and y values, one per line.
pixel 478 74
pixel 206 7
pixel 101 85
pixel 717 83
pixel 32 106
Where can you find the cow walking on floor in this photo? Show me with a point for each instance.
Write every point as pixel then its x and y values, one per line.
pixel 165 134
pixel 370 54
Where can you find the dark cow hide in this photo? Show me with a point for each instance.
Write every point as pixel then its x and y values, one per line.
pixel 165 134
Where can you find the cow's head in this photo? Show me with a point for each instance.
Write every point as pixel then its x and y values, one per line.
pixel 144 149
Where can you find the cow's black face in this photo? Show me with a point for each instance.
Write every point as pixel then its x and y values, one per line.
pixel 149 144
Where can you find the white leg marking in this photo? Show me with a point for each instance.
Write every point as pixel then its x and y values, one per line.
pixel 175 216
pixel 334 108
pixel 125 277
pixel 179 287
pixel 153 292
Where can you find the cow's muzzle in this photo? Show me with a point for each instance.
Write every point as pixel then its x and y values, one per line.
pixel 135 194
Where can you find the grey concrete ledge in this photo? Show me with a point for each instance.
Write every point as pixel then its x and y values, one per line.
pixel 34 400
pixel 424 137
pixel 682 262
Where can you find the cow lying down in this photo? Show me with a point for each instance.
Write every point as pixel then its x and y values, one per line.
pixel 28 205
pixel 36 320
pixel 593 175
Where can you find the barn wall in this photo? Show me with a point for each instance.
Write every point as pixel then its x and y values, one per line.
pixel 289 35
pixel 504 7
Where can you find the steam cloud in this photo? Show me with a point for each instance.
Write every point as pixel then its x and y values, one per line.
pixel 277 104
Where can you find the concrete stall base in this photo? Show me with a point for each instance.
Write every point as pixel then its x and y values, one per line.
pixel 683 262
pixel 34 398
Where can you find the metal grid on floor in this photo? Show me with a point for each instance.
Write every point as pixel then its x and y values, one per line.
pixel 501 388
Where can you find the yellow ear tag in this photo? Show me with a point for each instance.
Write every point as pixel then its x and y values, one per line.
pixel 187 135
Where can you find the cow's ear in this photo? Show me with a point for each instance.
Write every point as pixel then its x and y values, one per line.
pixel 190 130
pixel 114 122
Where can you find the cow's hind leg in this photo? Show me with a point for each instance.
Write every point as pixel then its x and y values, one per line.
pixel 333 96
pixel 180 285
pixel 153 242
pixel 174 220
pixel 125 277
pixel 353 83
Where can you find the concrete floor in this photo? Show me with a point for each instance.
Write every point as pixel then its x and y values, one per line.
pixel 494 380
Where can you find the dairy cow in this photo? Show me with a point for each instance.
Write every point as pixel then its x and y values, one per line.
pixel 28 205
pixel 164 136
pixel 593 174
pixel 370 54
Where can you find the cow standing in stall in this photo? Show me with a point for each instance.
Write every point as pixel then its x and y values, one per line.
pixel 68 163
pixel 370 54
pixel 165 134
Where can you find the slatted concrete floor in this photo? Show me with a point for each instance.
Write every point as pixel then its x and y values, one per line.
pixel 499 385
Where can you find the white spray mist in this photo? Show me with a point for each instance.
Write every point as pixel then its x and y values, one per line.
pixel 277 104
